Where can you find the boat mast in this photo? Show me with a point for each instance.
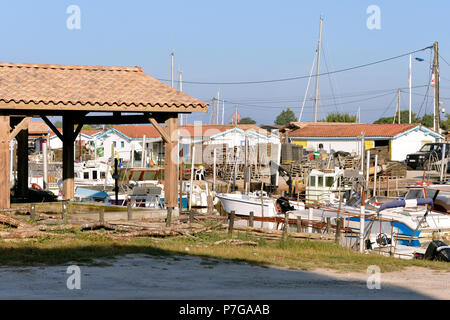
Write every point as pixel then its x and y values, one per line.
pixel 319 47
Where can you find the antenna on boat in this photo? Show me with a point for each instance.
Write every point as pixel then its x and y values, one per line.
pixel 319 47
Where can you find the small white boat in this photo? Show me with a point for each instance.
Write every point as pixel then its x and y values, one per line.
pixel 243 204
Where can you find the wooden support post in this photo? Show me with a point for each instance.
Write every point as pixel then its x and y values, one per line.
pixel 22 163
pixel 210 204
pixel 4 161
pixel 129 211
pixel 251 219
pixel 101 214
pixel 68 157
pixel 231 222
pixel 170 170
pixel 191 218
pixel 299 224
pixel 328 225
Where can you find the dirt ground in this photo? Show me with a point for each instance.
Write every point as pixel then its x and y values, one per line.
pixel 187 277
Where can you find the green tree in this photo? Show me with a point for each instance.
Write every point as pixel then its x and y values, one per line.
pixel 404 118
pixel 339 117
pixel 247 120
pixel 285 117
pixel 427 120
pixel 58 124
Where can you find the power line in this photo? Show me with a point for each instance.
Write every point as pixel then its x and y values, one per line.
pixel 303 76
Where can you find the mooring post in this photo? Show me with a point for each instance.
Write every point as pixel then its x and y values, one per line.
pixel 129 211
pixel 64 210
pixel 101 214
pixel 338 230
pixel 286 225
pixel 310 217
pixel 299 224
pixel 169 216
pixel 33 212
pixel 328 225
pixel 191 218
pixel 231 222
pixel 251 219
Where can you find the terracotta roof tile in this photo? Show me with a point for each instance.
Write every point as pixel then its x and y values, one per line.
pixel 88 86
pixel 351 130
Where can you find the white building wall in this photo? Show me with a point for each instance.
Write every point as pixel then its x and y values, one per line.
pixel 108 140
pixel 351 146
pixel 409 143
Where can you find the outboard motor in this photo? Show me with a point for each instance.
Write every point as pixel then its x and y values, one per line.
pixel 438 250
pixel 284 205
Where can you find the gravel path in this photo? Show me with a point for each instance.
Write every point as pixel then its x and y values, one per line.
pixel 152 277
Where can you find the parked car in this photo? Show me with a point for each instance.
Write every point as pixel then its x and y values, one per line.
pixel 421 158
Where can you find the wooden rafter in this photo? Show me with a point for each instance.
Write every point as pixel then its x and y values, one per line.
pixel 77 131
pixel 20 126
pixel 164 135
pixel 52 126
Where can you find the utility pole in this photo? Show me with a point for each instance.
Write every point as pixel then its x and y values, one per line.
pixel 218 105
pixel 437 116
pixel 319 47
pixel 235 116
pixel 180 85
pixel 410 86
pixel 399 120
pixel 171 69
pixel 223 111
pixel 214 110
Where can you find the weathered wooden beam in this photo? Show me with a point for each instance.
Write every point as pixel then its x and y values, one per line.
pixel 4 160
pixel 52 126
pixel 165 135
pixel 68 158
pixel 77 131
pixel 170 169
pixel 21 126
pixel 22 163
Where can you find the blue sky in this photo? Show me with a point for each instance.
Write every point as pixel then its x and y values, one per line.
pixel 227 41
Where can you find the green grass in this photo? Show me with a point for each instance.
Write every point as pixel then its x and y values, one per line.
pixel 86 247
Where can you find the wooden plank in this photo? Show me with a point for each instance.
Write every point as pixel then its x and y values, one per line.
pixel 165 135
pixel 21 126
pixel 4 160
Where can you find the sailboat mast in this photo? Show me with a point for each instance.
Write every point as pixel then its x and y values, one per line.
pixel 319 47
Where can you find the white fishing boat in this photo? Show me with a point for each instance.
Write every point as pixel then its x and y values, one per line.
pixel 265 206
pixel 93 173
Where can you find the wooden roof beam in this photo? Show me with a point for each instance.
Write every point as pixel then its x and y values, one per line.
pixel 22 125
pixel 164 135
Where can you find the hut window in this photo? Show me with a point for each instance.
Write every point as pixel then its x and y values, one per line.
pixel 329 181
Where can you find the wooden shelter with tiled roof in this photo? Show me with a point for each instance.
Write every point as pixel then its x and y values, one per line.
pixel 79 94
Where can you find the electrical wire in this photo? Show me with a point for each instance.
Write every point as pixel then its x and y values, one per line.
pixel 299 77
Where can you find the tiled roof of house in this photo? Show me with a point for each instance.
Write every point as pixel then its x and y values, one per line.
pixel 138 131
pixel 350 130
pixel 204 130
pixel 96 88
